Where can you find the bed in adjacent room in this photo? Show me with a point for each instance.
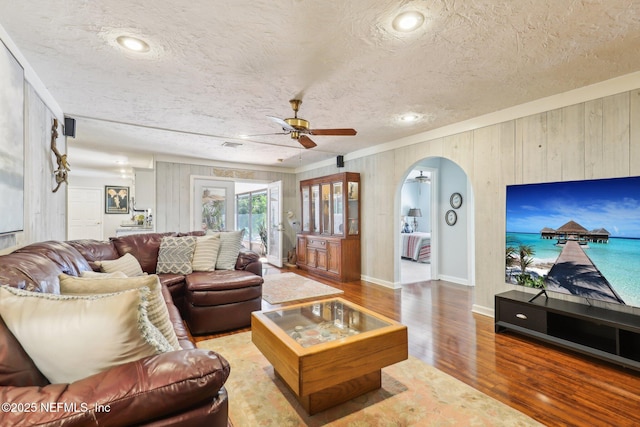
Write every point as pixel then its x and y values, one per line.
pixel 416 246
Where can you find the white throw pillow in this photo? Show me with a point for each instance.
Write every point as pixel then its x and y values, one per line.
pixel 206 253
pixel 175 255
pixel 157 309
pixel 230 244
pixel 72 337
pixel 127 264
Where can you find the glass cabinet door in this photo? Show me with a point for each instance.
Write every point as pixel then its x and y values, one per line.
pixel 306 218
pixel 326 209
pixel 354 214
pixel 315 208
pixel 338 208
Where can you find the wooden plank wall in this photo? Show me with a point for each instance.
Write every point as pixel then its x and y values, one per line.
pixel 45 211
pixel 173 193
pixel 594 139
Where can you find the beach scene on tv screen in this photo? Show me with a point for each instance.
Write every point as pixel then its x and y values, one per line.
pixel 578 237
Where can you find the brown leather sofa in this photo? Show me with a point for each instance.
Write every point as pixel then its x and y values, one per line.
pixel 212 301
pixel 178 388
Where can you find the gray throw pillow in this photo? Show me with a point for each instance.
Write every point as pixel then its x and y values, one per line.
pixel 230 244
pixel 175 255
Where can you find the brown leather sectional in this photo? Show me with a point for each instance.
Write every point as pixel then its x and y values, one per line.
pixel 211 301
pixel 178 388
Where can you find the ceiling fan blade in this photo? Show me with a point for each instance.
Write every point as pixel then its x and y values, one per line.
pixel 345 132
pixel 267 134
pixel 306 142
pixel 282 123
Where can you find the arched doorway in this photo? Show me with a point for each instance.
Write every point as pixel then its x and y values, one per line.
pixel 439 245
pixel 417 199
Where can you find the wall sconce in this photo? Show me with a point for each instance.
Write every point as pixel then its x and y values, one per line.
pixel 415 212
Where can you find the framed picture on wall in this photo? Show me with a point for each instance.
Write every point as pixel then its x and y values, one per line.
pixel 116 199
pixel 212 204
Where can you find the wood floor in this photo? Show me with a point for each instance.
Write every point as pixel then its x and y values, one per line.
pixel 554 386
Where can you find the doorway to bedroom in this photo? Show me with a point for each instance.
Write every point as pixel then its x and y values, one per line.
pixel 416 203
pixel 434 205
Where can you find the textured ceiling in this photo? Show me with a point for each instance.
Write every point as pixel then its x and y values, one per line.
pixel 216 69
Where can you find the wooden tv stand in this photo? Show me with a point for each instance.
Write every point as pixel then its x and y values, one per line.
pixel 606 334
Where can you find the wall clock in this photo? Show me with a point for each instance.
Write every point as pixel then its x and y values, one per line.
pixel 451 217
pixel 456 200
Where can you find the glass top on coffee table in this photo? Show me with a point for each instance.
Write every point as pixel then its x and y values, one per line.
pixel 324 321
pixel 328 351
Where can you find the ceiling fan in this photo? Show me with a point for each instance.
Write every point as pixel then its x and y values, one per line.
pixel 299 130
pixel 421 178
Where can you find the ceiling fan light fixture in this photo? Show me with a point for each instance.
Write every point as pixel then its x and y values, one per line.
pixel 295 122
pixel 408 21
pixel 422 178
pixel 299 128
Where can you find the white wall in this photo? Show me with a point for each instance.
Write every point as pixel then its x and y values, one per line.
pixel 453 240
pixel 110 222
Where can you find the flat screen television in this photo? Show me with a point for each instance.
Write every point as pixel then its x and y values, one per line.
pixel 576 237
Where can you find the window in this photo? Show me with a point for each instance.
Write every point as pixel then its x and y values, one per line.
pixel 251 211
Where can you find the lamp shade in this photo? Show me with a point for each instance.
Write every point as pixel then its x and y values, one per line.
pixel 415 212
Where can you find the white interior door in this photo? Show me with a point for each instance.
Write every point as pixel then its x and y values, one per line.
pixel 85 213
pixel 274 223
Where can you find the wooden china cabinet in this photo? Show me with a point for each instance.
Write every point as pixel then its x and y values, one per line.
pixel 329 242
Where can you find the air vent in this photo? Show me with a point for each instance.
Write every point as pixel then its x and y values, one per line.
pixel 232 144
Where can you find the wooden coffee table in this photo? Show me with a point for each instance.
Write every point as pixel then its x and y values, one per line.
pixel 328 351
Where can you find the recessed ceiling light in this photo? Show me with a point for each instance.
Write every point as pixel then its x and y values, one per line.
pixel 410 117
pixel 133 44
pixel 408 21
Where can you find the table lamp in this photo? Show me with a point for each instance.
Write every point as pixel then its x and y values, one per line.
pixel 415 212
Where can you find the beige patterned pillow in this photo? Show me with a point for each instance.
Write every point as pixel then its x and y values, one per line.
pixel 68 337
pixel 128 264
pixel 156 310
pixel 176 254
pixel 206 253
pixel 230 244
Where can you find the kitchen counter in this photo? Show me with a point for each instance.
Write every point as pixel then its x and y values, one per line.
pixel 126 230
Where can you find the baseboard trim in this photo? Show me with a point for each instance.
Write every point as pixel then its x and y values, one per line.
pixel 384 283
pixel 452 279
pixel 485 311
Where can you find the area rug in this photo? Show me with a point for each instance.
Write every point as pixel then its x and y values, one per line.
pixel 288 287
pixel 413 393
